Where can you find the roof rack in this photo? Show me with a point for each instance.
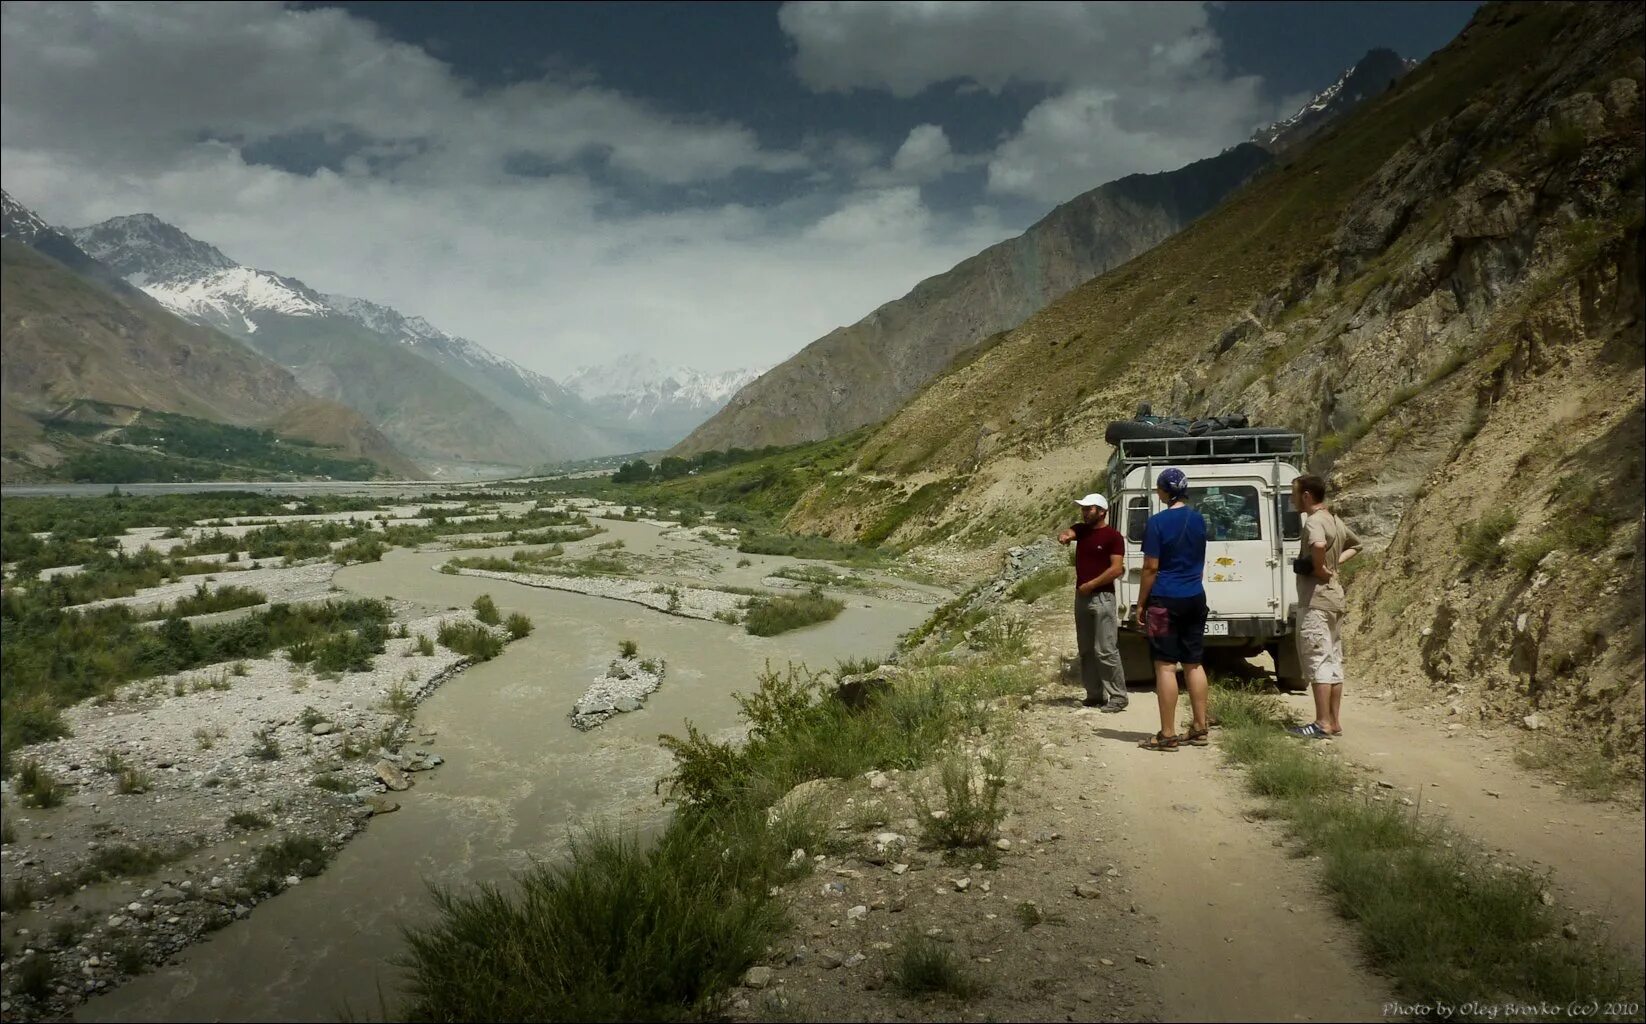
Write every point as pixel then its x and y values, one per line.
pixel 1207 448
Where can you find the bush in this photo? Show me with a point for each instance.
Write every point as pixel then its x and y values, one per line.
pixel 36 787
pixel 628 649
pixel 669 927
pixel 769 616
pixel 1481 542
pixel 425 646
pixel 248 820
pixel 264 745
pixel 485 609
pixel 925 967
pixel 1527 555
pixel 302 856
pixel 134 781
pixel 518 625
pixel 972 810
pixel 471 639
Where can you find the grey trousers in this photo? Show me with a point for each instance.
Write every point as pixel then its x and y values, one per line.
pixel 1097 631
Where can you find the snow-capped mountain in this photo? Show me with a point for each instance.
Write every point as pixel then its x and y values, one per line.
pixel 639 379
pixel 18 222
pixel 658 404
pixel 436 395
pixel 1371 75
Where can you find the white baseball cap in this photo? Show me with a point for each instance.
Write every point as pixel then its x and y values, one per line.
pixel 1094 499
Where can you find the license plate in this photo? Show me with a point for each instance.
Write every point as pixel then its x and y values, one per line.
pixel 1216 627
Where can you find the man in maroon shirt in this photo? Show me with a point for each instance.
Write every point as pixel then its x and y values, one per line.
pixel 1099 560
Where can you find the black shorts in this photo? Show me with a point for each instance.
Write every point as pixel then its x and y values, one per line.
pixel 1177 629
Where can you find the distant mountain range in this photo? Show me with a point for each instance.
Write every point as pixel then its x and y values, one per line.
pixel 864 372
pixel 84 354
pixel 658 404
pixel 447 400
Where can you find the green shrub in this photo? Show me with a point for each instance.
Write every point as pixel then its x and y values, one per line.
pixel 923 967
pixel 972 808
pixel 769 616
pixel 485 609
pixel 302 856
pixel 471 639
pixel 518 625
pixel 134 781
pixel 425 646
pixel 36 787
pixel 247 820
pixel 628 649
pixel 1481 542
pixel 265 747
pixel 1527 555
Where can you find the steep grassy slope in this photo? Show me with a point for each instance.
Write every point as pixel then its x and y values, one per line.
pixel 862 373
pixel 1443 291
pixel 65 338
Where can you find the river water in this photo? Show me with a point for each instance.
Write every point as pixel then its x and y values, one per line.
pixel 518 778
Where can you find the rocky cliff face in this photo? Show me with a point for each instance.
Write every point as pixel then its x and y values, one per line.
pixel 1443 291
pixel 863 373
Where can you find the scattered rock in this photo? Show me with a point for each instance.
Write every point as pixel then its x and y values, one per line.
pixel 323 729
pixel 961 884
pixel 758 976
pixel 391 777
pixel 1088 890
pixel 829 959
pixel 857 913
pixel 1535 721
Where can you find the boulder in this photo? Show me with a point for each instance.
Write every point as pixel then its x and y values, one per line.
pixel 323 729
pixel 855 691
pixel 799 798
pixel 392 777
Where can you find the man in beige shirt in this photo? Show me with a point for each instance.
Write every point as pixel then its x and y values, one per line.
pixel 1328 542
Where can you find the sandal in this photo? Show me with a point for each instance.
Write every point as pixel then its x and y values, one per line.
pixel 1160 742
pixel 1198 737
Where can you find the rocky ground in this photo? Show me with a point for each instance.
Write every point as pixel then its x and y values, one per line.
pixel 625 686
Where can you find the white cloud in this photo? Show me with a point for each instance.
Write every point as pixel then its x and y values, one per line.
pixel 1134 87
pixel 904 48
pixel 113 109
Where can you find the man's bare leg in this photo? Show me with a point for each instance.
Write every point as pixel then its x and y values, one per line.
pixel 1165 689
pixel 1323 705
pixel 1195 676
pixel 1336 705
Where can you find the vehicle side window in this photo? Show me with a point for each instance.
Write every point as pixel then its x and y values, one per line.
pixel 1231 513
pixel 1137 518
pixel 1290 519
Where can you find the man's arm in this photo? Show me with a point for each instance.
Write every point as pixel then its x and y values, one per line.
pixel 1116 569
pixel 1322 572
pixel 1067 535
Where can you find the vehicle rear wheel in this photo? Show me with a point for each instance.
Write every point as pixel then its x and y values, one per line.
pixel 1288 671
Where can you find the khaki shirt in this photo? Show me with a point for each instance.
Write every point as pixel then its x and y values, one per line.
pixel 1323 527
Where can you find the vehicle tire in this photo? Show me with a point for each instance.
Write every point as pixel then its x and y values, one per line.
pixel 1288 670
pixel 1266 440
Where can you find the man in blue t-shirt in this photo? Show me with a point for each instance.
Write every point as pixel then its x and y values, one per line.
pixel 1171 608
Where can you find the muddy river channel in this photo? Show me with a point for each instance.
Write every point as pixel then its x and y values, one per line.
pixel 517 779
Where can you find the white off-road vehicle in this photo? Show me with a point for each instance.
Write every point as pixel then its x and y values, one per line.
pixel 1241 481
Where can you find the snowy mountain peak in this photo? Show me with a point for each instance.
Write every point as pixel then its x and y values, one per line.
pixel 1369 76
pixel 143 249
pixel 18 221
pixel 639 377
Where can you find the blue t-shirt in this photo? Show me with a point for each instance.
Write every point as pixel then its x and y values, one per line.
pixel 1177 537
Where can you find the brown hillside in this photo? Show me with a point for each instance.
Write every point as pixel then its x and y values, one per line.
pixel 1443 291
pixel 65 338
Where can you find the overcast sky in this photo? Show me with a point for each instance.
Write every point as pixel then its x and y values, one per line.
pixel 713 185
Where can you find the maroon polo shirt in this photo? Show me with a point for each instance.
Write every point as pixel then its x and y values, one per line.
pixel 1093 547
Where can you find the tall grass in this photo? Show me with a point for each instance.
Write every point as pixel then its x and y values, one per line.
pixel 769 616
pixel 626 931
pixel 1434 915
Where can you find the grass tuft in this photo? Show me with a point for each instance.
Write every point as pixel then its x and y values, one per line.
pixel 924 967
